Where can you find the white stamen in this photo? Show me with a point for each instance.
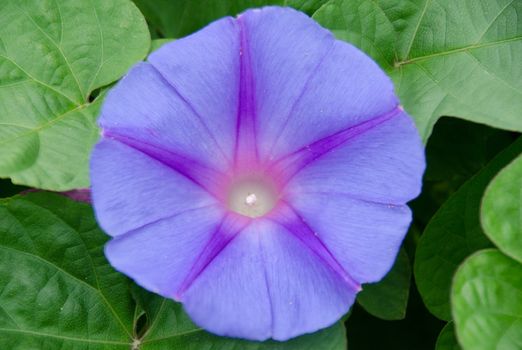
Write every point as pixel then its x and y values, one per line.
pixel 251 199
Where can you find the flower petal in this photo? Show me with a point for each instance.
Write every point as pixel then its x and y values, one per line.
pixel 347 89
pixel 382 163
pixel 364 237
pixel 130 189
pixel 306 294
pixel 308 85
pixel 284 48
pixel 267 283
pixel 353 195
pixel 229 297
pixel 145 108
pixel 160 255
pixel 203 69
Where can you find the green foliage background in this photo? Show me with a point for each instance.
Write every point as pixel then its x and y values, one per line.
pixel 457 67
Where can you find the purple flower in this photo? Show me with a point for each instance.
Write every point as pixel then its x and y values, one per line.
pixel 256 171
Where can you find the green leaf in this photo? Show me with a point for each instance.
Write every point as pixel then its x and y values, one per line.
pixel 179 18
pixel 59 292
pixel 365 24
pixel 168 327
pixel 456 150
pixel 388 298
pixel 446 57
pixel 447 339
pixel 502 210
pixel 53 55
pixel 306 6
pixel 486 300
pixel 452 234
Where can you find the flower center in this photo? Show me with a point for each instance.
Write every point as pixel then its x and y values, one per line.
pixel 252 197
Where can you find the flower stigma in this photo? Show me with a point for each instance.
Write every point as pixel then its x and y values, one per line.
pixel 252 197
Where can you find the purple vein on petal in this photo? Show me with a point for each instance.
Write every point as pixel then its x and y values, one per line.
pixel 173 87
pixel 385 203
pixel 228 229
pixel 299 97
pixel 299 159
pixel 267 284
pixel 137 230
pixel 246 137
pixel 201 175
pixel 294 223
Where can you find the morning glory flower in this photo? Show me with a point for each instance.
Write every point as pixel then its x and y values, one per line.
pixel 257 172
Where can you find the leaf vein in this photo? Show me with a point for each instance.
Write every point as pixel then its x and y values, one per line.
pixel 39 81
pixel 85 340
pixel 58 47
pixel 457 50
pixel 416 30
pixel 58 268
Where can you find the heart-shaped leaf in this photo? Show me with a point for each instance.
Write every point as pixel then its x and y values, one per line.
pixel 53 55
pixel 452 234
pixel 446 57
pixel 58 292
pixel 502 210
pixel 486 300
